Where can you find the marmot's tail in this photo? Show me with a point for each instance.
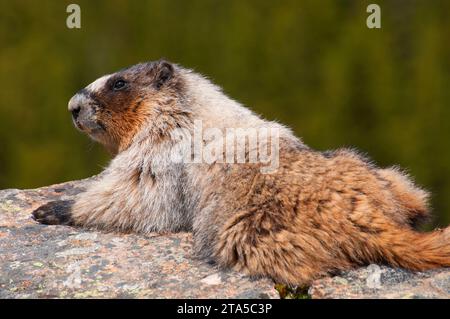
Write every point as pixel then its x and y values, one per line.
pixel 416 251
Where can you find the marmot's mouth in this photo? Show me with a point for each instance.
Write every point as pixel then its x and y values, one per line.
pixel 89 128
pixel 78 125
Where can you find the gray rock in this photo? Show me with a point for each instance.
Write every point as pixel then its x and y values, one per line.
pixel 376 281
pixel 39 261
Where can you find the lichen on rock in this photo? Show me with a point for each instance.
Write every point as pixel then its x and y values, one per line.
pixel 39 261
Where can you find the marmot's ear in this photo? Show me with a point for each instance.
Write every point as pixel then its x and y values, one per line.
pixel 163 73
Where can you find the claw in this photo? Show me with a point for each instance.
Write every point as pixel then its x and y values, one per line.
pixel 54 213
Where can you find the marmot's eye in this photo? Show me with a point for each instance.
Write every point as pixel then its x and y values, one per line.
pixel 119 85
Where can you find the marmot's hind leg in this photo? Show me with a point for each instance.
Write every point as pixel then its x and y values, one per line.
pixel 413 200
pixel 256 245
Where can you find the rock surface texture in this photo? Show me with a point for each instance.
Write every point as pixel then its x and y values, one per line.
pixel 39 261
pixel 377 282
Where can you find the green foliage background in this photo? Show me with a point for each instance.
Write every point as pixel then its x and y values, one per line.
pixel 311 64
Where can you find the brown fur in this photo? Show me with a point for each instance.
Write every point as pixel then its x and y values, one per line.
pixel 318 213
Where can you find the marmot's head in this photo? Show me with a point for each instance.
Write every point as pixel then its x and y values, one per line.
pixel 113 108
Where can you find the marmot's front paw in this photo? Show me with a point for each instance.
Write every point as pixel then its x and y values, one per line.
pixel 54 213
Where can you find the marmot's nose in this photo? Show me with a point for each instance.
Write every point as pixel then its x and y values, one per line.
pixel 75 112
pixel 75 104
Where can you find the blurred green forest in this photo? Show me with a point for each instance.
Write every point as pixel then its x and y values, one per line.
pixel 313 65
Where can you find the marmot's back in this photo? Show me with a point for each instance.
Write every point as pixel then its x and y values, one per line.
pixel 318 214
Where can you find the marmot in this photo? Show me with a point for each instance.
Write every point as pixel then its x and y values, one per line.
pixel 317 213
